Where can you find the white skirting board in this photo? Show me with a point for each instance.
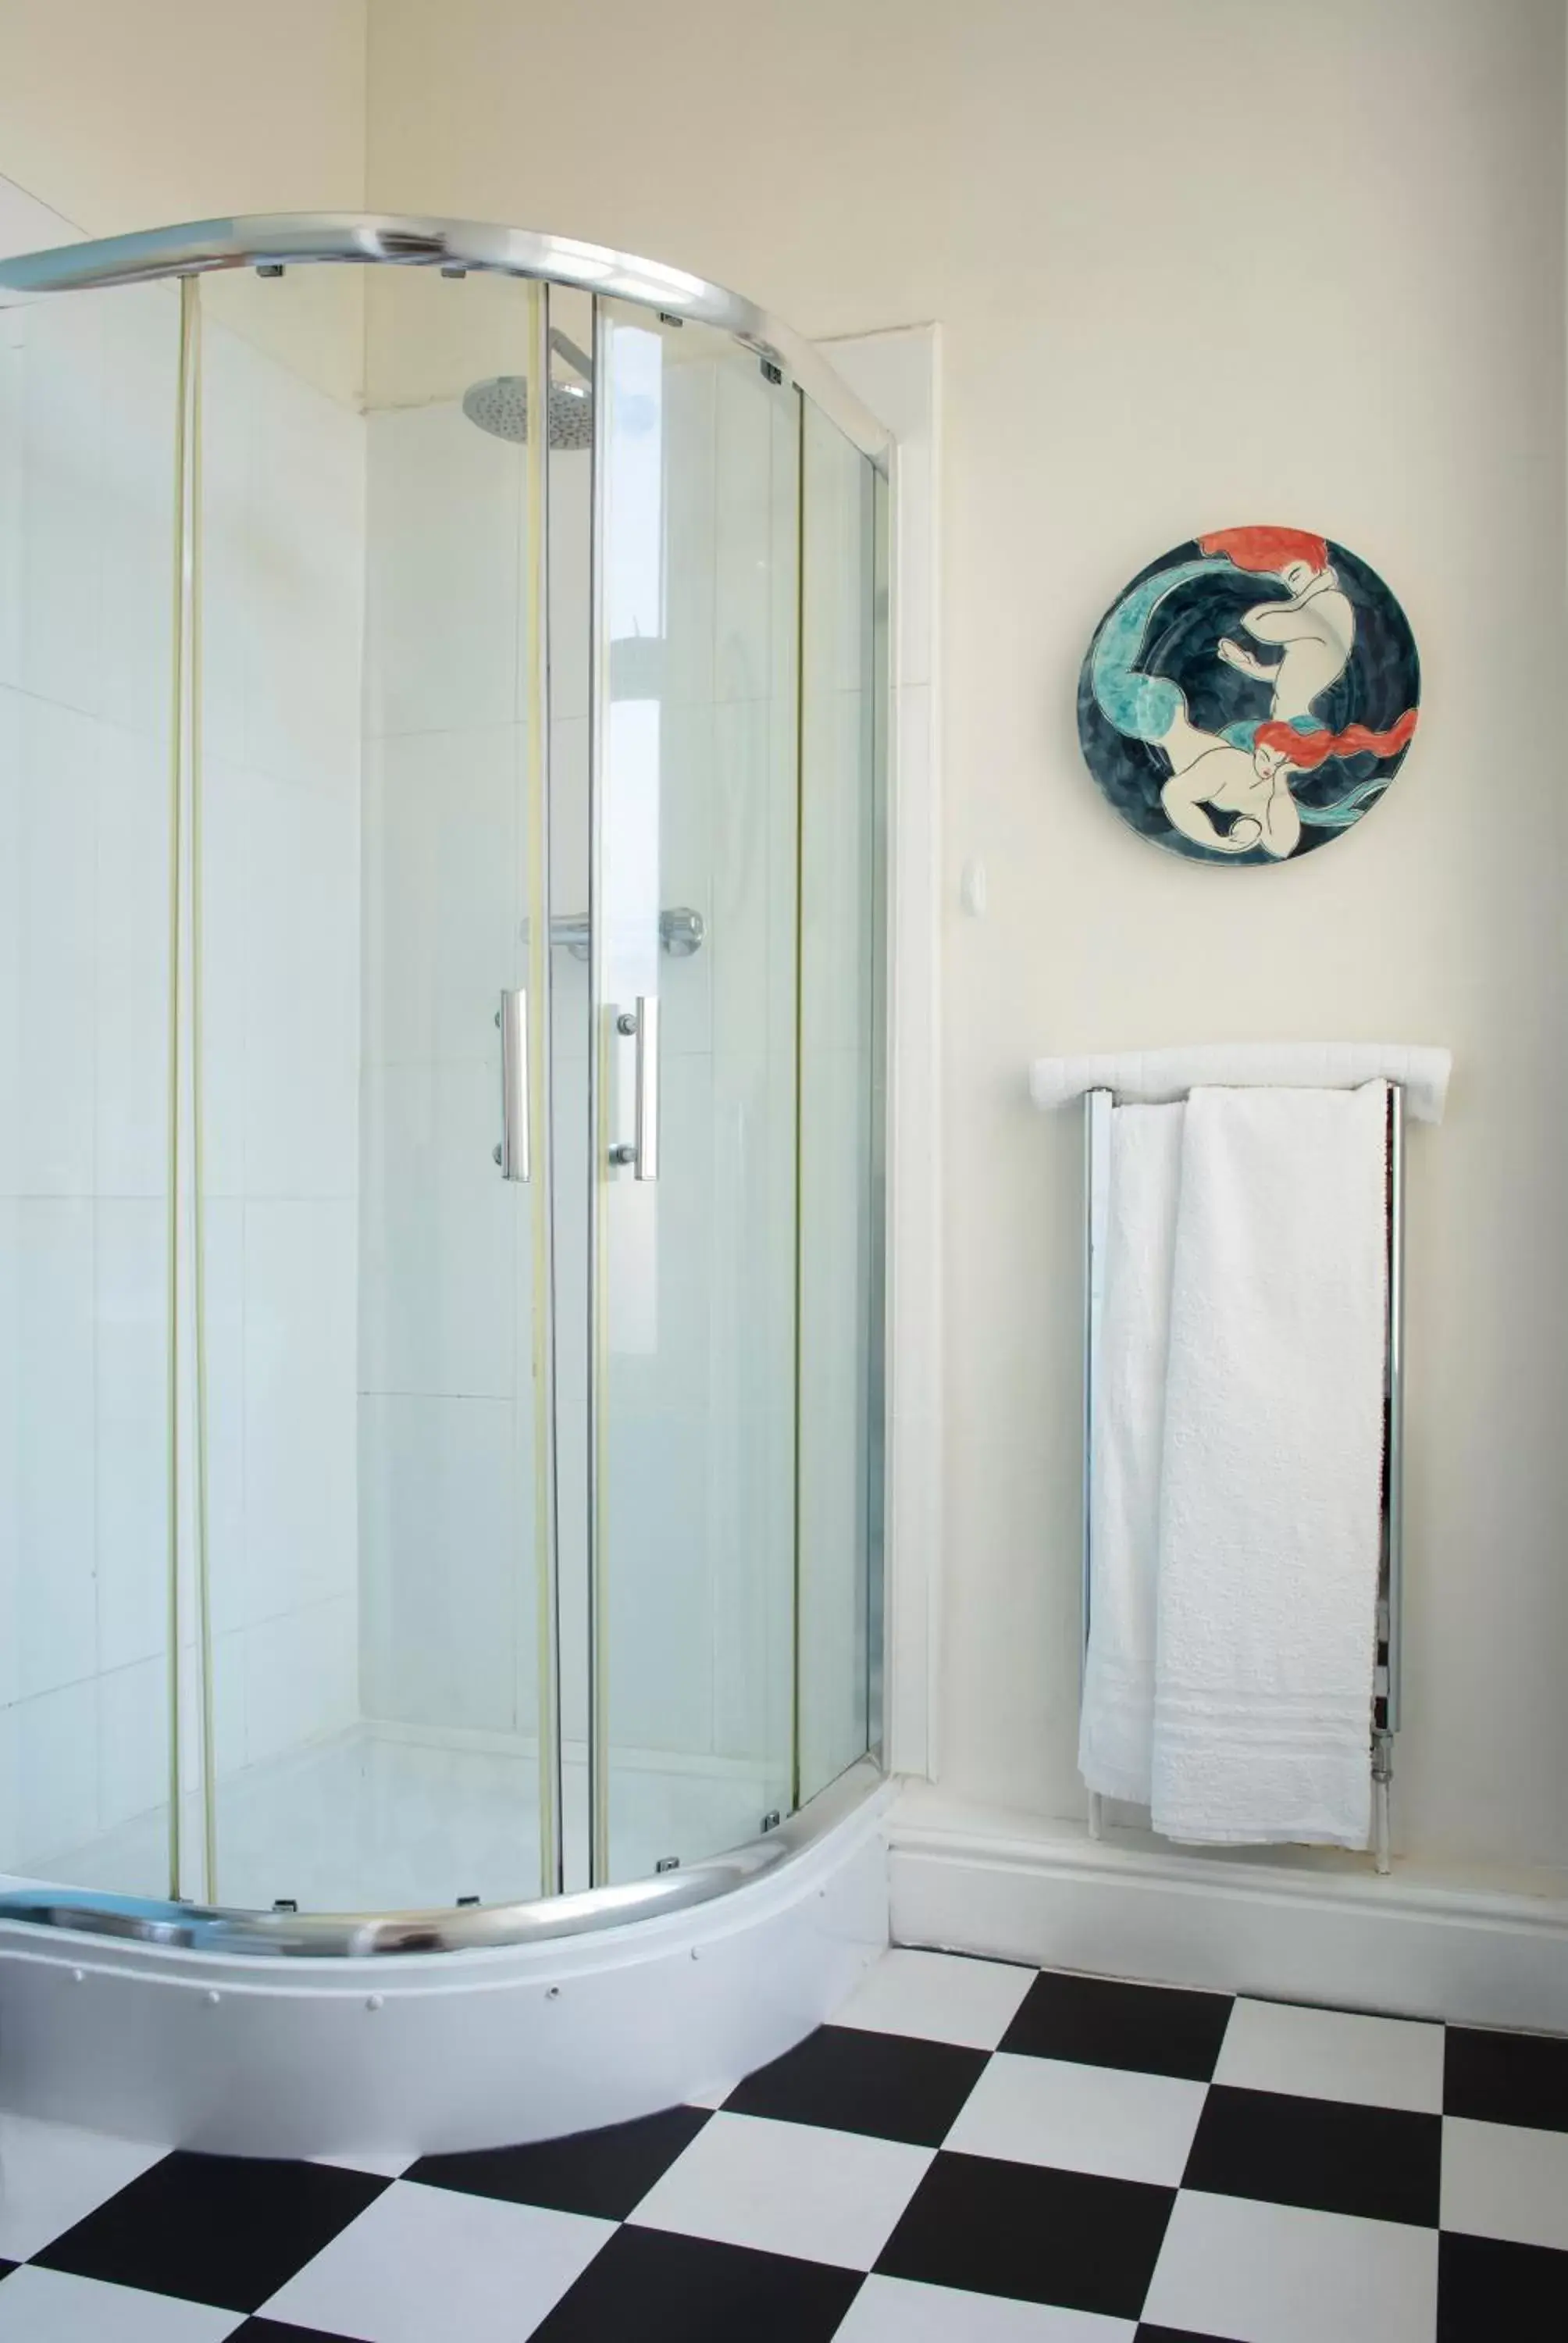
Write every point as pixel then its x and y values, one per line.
pixel 413 2052
pixel 1414 1943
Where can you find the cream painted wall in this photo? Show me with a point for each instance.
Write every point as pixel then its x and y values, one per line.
pixel 1340 305
pixel 1197 262
pixel 127 114
pixel 123 112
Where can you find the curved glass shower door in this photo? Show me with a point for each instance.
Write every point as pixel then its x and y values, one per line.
pixel 374 979
pixel 695 1006
pixel 844 732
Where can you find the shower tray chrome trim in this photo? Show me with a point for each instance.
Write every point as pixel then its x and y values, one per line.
pixel 273 240
pixel 485 1927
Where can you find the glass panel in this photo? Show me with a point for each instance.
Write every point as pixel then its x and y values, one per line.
pixel 843 699
pixel 374 1384
pixel 877 1305
pixel 696 846
pixel 88 429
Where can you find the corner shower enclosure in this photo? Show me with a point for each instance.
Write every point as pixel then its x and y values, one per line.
pixel 442 770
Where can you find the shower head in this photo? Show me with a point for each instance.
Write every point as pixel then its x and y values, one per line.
pixel 500 407
pixel 500 404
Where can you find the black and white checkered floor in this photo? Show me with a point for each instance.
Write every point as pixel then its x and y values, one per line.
pixel 971 2153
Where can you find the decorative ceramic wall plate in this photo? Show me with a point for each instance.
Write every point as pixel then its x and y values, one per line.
pixel 1250 696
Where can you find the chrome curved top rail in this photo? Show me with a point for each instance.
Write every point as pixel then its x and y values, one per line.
pixel 276 240
pixel 350 1935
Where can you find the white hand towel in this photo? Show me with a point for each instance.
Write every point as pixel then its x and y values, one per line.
pixel 1143 1175
pixel 1153 1074
pixel 1271 1478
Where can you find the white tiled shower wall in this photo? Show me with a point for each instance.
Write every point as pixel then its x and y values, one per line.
pixel 86 417
pixel 81 772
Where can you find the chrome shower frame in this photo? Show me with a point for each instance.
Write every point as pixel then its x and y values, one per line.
pixel 272 241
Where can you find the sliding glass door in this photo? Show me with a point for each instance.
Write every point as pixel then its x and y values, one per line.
pixel 694 1011
pixel 374 1206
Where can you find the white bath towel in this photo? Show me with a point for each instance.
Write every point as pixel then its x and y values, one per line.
pixel 1143 1174
pixel 1155 1074
pixel 1271 1469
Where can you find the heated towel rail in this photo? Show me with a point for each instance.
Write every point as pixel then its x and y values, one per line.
pixel 1386 1681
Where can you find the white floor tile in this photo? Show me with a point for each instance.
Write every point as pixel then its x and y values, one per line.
pixel 421 2262
pixel 1081 2118
pixel 1334 2054
pixel 1500 2181
pixel 938 1997
pixel 787 2188
pixel 1278 2274
pixel 52 2175
pixel 897 2311
pixel 41 2305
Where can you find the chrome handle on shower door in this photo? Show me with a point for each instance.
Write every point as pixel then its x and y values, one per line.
pixel 647 1086
pixel 512 1155
pixel 641 1150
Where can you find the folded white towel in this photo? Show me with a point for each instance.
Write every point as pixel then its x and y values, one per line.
pixel 1156 1074
pixel 1269 1517
pixel 1142 1178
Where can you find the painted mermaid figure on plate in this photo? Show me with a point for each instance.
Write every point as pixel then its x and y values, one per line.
pixel 1225 726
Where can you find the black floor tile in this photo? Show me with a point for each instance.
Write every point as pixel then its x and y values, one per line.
pixel 1380 2162
pixel 1149 2028
pixel 648 2285
pixel 1509 2078
pixel 270 2330
pixel 224 2229
pixel 1040 2236
pixel 607 2173
pixel 6 2268
pixel 1166 2334
pixel 852 2080
pixel 1487 2291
